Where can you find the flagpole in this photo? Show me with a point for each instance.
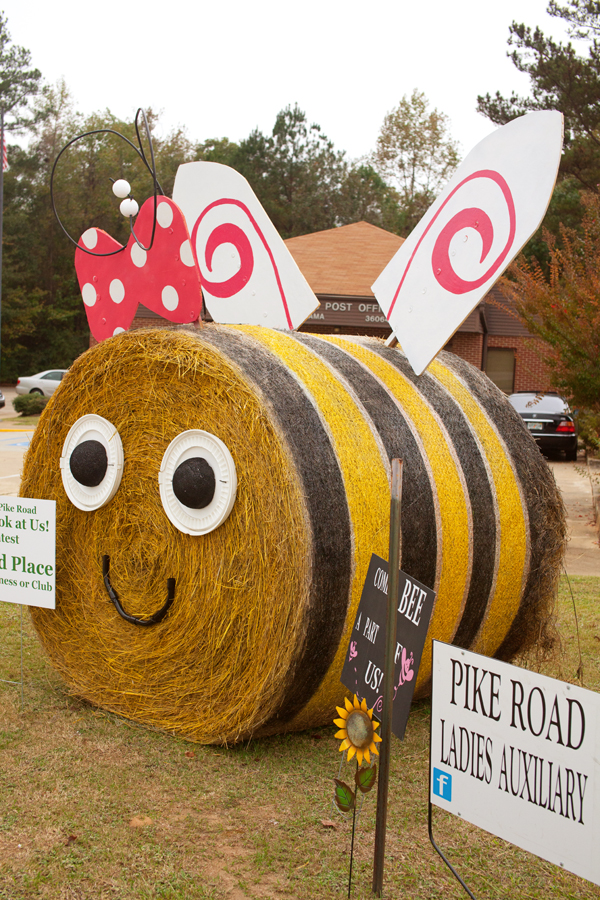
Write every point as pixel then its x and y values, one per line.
pixel 1 212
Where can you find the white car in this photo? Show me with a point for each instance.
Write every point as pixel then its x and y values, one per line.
pixel 42 383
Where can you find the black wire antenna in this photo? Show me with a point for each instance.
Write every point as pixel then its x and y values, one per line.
pixel 151 166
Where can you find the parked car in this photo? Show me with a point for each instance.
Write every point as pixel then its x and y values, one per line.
pixel 42 383
pixel 2 400
pixel 549 419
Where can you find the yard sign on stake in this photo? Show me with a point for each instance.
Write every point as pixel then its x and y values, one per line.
pixel 518 754
pixel 487 212
pixel 27 555
pixel 390 626
pixel 28 551
pixel 364 667
pixel 388 679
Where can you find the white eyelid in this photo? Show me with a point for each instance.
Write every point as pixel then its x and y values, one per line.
pixel 88 428
pixel 187 445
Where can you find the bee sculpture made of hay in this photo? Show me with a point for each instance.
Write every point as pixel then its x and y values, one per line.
pixel 220 490
pixel 228 615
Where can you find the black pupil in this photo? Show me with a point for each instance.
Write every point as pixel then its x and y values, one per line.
pixel 194 483
pixel 88 463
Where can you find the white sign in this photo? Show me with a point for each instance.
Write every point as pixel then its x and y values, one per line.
pixel 248 275
pixel 493 204
pixel 518 754
pixel 28 551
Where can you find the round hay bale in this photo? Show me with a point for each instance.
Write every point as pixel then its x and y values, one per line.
pixel 253 639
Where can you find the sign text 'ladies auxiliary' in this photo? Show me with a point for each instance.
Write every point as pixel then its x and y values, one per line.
pixel 517 753
pixel 27 551
pixel 363 669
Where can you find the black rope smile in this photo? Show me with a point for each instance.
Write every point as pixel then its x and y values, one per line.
pixel 153 620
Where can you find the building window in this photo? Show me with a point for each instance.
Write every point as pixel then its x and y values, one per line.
pixel 500 368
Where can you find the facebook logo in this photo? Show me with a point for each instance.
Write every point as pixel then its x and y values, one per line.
pixel 442 784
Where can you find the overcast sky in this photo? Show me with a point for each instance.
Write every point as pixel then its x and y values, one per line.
pixel 222 69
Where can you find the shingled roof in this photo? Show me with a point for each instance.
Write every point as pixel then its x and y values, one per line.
pixel 344 261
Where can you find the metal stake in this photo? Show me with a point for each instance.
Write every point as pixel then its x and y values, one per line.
pixel 353 832
pixel 388 678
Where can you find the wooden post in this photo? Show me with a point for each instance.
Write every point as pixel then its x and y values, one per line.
pixel 388 678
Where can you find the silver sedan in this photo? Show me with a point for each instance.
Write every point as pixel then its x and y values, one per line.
pixel 42 383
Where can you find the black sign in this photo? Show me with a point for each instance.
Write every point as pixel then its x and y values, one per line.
pixel 356 313
pixel 363 669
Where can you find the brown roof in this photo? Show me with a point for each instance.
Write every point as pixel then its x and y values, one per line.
pixel 346 260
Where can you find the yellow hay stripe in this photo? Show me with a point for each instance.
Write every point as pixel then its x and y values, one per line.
pixel 352 438
pixel 453 576
pixel 513 555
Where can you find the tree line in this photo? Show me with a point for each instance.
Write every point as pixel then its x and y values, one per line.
pixel 302 180
pixel 556 282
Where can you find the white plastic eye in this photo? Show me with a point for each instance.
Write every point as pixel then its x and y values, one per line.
pixel 129 207
pixel 121 188
pixel 91 463
pixel 197 482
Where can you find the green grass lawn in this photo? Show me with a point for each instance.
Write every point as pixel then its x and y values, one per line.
pixel 96 808
pixel 19 422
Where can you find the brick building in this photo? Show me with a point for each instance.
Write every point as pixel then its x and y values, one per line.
pixel 341 264
pixel 493 339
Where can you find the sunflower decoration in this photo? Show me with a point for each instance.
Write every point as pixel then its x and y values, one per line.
pixel 357 730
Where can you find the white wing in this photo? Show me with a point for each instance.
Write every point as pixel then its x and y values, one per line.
pixel 248 275
pixel 494 203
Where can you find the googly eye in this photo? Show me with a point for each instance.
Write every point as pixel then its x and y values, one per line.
pixel 197 482
pixel 91 462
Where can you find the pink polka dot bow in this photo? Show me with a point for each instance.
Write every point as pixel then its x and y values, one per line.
pixel 165 278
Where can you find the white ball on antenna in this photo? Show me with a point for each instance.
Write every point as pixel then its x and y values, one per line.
pixel 121 188
pixel 129 207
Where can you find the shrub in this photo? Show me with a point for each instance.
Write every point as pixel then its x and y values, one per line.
pixel 29 404
pixel 589 430
pixel 563 308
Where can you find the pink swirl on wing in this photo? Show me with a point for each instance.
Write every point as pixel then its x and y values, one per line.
pixel 473 218
pixel 231 234
pixel 228 233
pixel 440 258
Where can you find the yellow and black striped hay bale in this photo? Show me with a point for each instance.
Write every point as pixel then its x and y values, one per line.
pixel 255 640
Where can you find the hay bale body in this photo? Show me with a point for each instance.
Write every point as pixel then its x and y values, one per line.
pixel 255 640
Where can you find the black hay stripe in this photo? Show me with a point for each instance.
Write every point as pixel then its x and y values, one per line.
pixel 325 498
pixel 477 480
pixel 419 533
pixel 532 473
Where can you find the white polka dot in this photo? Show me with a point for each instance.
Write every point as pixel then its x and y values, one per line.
pixel 88 292
pixel 116 290
pixel 186 255
pixel 118 331
pixel 164 215
pixel 170 297
pixel 90 238
pixel 138 256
